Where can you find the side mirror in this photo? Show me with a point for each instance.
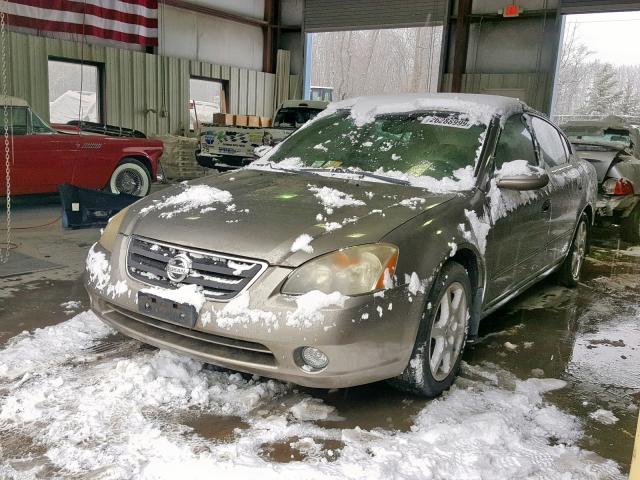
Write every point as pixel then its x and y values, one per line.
pixel 262 150
pixel 530 178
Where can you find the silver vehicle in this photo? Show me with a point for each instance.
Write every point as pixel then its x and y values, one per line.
pixel 612 146
pixel 366 246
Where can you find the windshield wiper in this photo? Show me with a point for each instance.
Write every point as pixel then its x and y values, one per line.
pixel 361 173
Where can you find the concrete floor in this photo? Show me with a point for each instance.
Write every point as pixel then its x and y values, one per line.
pixel 588 337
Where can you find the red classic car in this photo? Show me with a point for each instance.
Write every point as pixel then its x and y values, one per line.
pixel 45 157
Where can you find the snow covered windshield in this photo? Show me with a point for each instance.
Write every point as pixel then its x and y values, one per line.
pixel 432 144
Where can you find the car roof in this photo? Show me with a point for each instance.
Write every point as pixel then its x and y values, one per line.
pixel 479 108
pixel 12 101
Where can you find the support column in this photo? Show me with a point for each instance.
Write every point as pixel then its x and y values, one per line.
pixel 461 44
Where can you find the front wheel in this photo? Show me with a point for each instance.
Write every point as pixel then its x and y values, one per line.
pixel 442 334
pixel 571 269
pixel 130 177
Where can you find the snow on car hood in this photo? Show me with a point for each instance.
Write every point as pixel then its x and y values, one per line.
pixel 282 218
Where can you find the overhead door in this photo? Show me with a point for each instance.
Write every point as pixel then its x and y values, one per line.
pixel 334 15
pixel 595 6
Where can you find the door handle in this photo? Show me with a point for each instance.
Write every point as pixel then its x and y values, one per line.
pixel 546 205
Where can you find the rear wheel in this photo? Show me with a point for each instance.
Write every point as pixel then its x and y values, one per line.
pixel 571 269
pixel 631 226
pixel 442 334
pixel 130 177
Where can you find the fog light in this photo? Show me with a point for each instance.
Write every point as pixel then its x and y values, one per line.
pixel 314 358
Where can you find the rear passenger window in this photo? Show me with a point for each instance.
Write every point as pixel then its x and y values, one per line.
pixel 551 143
pixel 515 143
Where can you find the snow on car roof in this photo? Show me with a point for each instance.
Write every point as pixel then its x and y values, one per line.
pixel 480 109
pixel 12 101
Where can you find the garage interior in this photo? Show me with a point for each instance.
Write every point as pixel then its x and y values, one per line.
pixel 245 58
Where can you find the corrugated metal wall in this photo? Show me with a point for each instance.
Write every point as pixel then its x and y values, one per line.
pixel 536 87
pixel 138 86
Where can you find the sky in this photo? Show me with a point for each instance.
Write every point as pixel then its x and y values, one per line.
pixel 613 37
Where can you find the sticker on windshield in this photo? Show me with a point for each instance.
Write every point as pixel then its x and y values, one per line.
pixel 454 121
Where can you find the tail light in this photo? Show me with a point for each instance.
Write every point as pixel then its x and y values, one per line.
pixel 617 186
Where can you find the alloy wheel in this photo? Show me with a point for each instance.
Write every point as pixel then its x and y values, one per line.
pixel 579 250
pixel 448 331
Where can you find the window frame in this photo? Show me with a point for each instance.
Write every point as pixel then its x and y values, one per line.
pixel 526 123
pixel 224 89
pixel 100 75
pixel 563 141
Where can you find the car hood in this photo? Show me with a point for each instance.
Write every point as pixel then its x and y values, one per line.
pixel 258 214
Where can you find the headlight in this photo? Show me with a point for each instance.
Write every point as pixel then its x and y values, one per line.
pixel 352 271
pixel 108 237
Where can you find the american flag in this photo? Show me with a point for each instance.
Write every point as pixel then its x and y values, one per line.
pixel 128 21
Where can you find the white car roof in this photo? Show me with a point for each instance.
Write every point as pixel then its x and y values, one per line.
pixel 12 101
pixel 479 108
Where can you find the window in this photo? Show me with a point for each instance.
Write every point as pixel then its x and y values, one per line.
pixel 550 142
pixel 515 143
pixel 38 125
pixel 206 97
pixel 74 91
pixel 19 121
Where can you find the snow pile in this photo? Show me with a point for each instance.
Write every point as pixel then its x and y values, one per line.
pixel 99 272
pixel 476 109
pixel 46 347
pixel 312 409
pixel 71 306
pixel 332 198
pixel 120 418
pixel 302 244
pixel 191 198
pixel 186 294
pixel 604 416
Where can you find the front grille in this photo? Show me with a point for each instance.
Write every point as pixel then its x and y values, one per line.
pixel 221 277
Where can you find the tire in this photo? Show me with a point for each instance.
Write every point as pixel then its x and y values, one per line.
pixel 131 177
pixel 419 376
pixel 631 226
pixel 571 269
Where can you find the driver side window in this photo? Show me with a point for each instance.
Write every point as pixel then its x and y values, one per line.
pixel 515 143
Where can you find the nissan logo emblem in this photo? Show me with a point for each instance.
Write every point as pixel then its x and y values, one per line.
pixel 178 268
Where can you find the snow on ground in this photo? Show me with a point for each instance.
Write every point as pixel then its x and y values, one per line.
pixel 119 417
pixel 191 198
pixel 604 416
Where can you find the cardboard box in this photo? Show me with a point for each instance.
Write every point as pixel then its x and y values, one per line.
pixel 241 120
pixel 222 119
pixel 265 121
pixel 254 121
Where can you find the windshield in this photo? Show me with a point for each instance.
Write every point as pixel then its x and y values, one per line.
pixel 433 144
pixel 294 117
pixel 586 134
pixel 39 125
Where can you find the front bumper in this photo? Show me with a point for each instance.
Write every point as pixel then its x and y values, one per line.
pixel 365 340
